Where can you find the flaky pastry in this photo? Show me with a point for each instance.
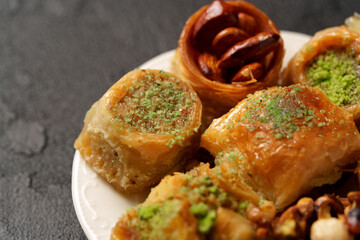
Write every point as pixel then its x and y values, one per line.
pixel 205 203
pixel 143 128
pixel 285 141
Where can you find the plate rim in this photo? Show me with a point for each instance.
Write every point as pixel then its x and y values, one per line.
pixel 90 234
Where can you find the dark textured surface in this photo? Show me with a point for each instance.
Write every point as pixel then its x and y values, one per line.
pixel 58 57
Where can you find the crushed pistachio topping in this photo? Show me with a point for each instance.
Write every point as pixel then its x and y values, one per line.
pixel 202 189
pixel 243 206
pixel 156 103
pixel 154 219
pixel 337 73
pixel 206 216
pixel 204 197
pixel 282 109
pixel 148 211
pixel 232 156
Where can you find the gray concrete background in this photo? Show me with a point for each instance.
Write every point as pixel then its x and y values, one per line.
pixel 59 56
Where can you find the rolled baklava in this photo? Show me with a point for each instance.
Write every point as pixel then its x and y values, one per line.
pixel 227 50
pixel 331 61
pixel 294 138
pixel 143 128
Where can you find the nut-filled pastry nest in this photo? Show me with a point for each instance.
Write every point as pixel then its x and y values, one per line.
pixel 226 51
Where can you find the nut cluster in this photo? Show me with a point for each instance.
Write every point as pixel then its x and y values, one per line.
pixel 328 217
pixel 231 48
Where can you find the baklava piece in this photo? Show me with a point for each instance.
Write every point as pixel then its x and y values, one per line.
pixel 143 128
pixel 294 138
pixel 205 203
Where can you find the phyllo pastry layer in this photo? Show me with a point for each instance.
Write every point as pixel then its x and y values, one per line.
pixel 144 127
pixel 294 138
pixel 204 203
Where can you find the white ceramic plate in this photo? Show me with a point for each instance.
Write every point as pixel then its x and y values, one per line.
pixel 98 206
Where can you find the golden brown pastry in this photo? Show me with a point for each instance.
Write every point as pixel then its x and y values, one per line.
pixel 331 61
pixel 144 127
pixel 284 141
pixel 226 51
pixel 197 205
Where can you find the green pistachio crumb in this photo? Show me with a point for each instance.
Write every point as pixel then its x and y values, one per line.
pixel 206 223
pixel 146 212
pixel 335 72
pixel 155 104
pixel 282 108
pixel 200 209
